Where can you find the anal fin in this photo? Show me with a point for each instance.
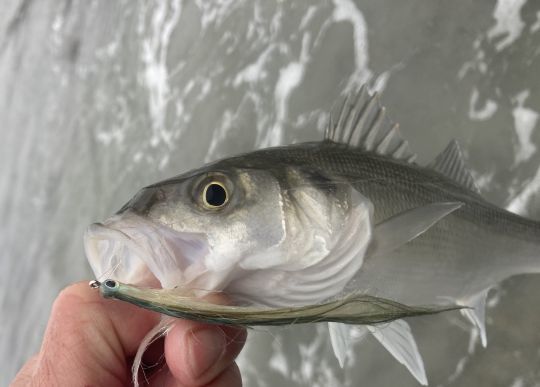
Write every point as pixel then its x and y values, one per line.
pixel 476 313
pixel 397 338
pixel 339 337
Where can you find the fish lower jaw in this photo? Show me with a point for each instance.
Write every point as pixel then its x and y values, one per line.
pixel 112 254
pixel 135 250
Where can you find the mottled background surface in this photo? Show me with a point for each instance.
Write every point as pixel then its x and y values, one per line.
pixel 98 98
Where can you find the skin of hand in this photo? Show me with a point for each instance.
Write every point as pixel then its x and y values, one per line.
pixel 91 341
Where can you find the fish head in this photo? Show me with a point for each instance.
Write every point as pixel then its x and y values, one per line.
pixel 194 228
pixel 226 228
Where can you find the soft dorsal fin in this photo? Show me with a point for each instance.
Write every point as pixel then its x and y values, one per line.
pixel 450 163
pixel 363 123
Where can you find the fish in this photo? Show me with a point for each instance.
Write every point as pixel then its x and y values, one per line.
pixel 311 223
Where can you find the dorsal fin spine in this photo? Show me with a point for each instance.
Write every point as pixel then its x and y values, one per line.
pixel 375 127
pixel 330 128
pixel 363 123
pixel 450 163
pixel 398 153
pixel 357 120
pixel 343 117
pixel 385 142
pixel 411 159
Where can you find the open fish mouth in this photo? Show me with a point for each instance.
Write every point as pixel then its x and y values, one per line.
pixel 132 249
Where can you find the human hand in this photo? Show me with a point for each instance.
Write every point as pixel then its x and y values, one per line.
pixel 91 341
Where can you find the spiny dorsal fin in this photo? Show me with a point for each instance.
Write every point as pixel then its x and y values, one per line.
pixel 363 123
pixel 450 163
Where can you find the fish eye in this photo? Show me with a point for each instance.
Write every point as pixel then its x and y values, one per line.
pixel 215 195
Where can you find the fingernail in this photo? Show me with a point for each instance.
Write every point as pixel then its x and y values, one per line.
pixel 206 346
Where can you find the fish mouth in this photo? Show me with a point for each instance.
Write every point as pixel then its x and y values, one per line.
pixel 135 250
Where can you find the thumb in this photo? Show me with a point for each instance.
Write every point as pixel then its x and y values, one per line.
pixel 88 341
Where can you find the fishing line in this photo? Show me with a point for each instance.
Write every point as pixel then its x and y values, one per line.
pixel 108 273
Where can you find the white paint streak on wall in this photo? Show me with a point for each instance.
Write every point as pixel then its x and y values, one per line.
pixel 290 77
pixel 536 26
pixel 518 204
pixel 478 63
pixel 482 180
pixel 226 122
pixel 518 382
pixel 346 10
pixel 308 16
pixel 278 362
pixel 525 121
pixel 155 46
pixel 508 22
pixel 460 367
pixel 255 72
pixel 214 12
pixel 483 113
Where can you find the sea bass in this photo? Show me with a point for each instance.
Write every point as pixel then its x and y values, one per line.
pixel 309 223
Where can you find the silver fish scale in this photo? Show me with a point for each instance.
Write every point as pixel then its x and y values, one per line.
pixel 465 253
pixel 392 185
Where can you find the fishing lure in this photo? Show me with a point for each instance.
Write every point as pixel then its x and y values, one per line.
pixel 352 309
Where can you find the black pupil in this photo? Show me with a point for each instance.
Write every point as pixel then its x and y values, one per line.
pixel 110 283
pixel 216 195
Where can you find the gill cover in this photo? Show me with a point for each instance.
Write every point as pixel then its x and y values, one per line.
pixel 328 228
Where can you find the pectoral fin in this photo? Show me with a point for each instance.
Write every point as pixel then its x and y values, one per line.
pixel 404 227
pixel 397 338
